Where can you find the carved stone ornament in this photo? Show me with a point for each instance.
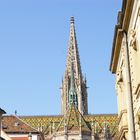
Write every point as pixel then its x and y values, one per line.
pixel 119 76
pixel 133 42
pixel 119 81
pixel 138 119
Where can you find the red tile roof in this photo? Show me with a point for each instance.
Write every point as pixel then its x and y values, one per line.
pixel 13 124
pixel 19 138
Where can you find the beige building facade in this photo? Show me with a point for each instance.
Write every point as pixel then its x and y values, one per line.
pixel 4 136
pixel 125 64
pixel 1 113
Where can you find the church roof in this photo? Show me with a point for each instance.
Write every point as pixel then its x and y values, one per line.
pixel 73 121
pixel 43 122
pixel 101 119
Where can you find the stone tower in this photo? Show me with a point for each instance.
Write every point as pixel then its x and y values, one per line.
pixel 73 67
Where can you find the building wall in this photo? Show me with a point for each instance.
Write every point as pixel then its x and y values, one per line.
pixel 134 53
pixel 1 113
pixel 5 136
pixel 122 92
pixel 34 136
pixel 0 123
pixel 119 66
pixel 72 137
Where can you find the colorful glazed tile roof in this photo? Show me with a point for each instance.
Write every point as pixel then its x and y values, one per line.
pixel 43 123
pixel 100 120
pixel 73 121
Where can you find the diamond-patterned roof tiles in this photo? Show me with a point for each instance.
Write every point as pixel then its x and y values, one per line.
pixel 73 121
pixel 42 123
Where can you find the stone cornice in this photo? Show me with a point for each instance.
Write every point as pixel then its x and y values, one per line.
pixel 121 114
pixel 122 131
pixel 116 49
pixel 122 24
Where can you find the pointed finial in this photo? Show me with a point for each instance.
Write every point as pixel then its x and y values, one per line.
pixel 72 19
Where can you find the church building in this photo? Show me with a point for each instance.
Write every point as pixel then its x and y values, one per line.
pixel 74 123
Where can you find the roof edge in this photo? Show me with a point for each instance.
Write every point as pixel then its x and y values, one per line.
pixel 124 17
pixel 2 111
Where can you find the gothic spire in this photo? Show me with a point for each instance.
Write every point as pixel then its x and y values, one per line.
pixel 73 85
pixel 73 54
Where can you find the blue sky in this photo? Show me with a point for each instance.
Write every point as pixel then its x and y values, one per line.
pixel 33 50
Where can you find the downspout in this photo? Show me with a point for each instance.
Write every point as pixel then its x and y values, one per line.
pixel 131 128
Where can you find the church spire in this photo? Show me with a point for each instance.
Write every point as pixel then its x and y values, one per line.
pixel 73 67
pixel 73 54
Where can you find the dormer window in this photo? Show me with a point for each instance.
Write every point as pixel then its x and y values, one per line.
pixel 16 124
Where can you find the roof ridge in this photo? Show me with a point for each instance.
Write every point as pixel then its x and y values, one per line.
pixel 22 116
pixel 101 114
